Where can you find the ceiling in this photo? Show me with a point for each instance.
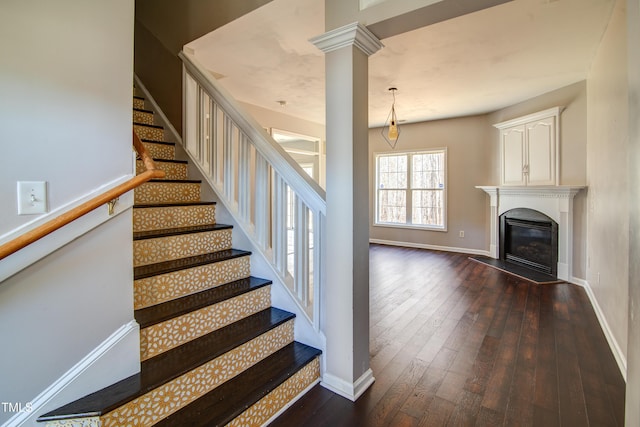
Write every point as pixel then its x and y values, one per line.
pixel 473 64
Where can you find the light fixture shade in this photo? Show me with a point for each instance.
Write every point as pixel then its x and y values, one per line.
pixel 391 131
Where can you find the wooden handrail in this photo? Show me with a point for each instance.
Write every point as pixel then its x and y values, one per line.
pixel 60 221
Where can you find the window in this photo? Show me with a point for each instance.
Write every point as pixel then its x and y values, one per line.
pixel 411 189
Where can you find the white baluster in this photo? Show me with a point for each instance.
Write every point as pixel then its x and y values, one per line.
pixel 262 190
pixel 301 252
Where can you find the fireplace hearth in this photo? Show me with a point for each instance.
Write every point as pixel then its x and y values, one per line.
pixel 529 239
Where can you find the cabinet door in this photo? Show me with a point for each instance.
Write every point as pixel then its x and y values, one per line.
pixel 541 153
pixel 513 156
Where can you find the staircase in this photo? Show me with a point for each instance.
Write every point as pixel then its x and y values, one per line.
pixel 213 351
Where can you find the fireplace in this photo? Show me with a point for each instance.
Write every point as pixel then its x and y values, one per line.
pixel 530 239
pixel 555 202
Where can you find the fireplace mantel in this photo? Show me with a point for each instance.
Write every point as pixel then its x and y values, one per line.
pixel 554 201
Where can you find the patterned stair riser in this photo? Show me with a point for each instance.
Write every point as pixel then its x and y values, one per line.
pixel 138 103
pixel 160 151
pixel 171 170
pixel 163 401
pixel 75 422
pixel 152 133
pixel 159 218
pixel 263 410
pixel 143 117
pixel 151 251
pixel 164 336
pixel 164 287
pixel 167 192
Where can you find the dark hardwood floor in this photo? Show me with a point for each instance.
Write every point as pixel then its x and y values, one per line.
pixel 458 343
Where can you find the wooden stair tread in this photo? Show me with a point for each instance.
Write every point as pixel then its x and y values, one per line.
pixel 166 232
pixel 224 403
pixel 177 181
pixel 151 141
pixel 171 205
pixel 142 110
pixel 182 162
pixel 171 364
pixel 148 125
pixel 149 270
pixel 162 312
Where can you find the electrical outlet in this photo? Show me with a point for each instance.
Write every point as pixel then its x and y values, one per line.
pixel 32 197
pixel 461 233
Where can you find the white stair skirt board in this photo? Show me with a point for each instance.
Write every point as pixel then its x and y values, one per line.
pixel 111 361
pixel 346 389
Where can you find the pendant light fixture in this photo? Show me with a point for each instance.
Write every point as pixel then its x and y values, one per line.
pixel 391 132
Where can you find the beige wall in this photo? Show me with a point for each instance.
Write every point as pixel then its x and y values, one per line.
pixel 469 163
pixel 473 159
pixel 607 177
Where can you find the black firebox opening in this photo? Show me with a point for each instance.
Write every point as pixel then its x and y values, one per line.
pixel 529 238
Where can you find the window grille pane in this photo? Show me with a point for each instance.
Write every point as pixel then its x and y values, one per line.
pixel 428 170
pixel 428 207
pixel 392 206
pixel 392 171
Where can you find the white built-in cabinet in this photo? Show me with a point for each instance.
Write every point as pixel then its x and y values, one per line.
pixel 529 148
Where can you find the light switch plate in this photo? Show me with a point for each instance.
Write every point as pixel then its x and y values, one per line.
pixel 32 197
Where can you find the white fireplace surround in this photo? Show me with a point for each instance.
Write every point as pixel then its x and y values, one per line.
pixel 554 201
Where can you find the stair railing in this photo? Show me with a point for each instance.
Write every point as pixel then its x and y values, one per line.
pixel 108 197
pixel 279 207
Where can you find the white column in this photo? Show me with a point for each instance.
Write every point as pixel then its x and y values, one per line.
pixel 345 299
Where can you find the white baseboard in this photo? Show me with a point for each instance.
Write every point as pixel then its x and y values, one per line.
pixel 618 354
pixel 105 365
pixel 347 389
pixel 579 282
pixel 25 257
pixel 431 247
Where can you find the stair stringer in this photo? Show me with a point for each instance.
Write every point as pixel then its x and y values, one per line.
pixel 304 330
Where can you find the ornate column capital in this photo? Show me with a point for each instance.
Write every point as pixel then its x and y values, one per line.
pixel 354 34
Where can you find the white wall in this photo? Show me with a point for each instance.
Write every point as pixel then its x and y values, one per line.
pixel 58 310
pixel 607 177
pixel 61 85
pixel 632 397
pixel 65 118
pixel 283 121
